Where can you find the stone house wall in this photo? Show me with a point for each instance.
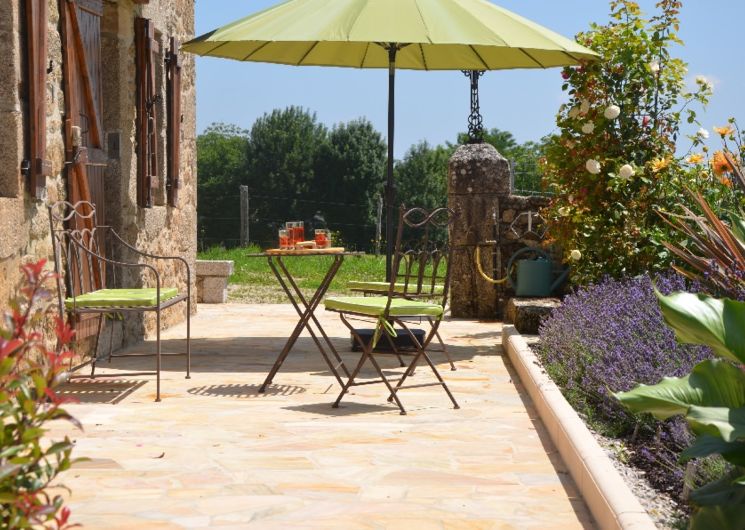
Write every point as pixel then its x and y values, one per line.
pixel 162 229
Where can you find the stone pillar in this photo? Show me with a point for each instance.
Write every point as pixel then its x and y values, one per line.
pixel 478 176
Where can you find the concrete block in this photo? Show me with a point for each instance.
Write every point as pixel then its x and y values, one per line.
pixel 214 268
pixel 527 313
pixel 214 290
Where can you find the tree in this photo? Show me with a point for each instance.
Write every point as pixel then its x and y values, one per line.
pixel 421 177
pixel 222 166
pixel 349 174
pixel 283 147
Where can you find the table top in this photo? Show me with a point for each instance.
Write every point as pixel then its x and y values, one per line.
pixel 333 251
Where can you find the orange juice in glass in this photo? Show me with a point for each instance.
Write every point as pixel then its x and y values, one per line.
pixel 323 238
pixel 284 239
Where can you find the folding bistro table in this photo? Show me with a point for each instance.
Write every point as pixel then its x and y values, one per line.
pixel 306 307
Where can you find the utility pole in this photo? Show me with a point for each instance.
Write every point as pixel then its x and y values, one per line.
pixel 245 232
pixel 378 228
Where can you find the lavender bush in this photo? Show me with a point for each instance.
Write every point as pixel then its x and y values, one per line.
pixel 610 337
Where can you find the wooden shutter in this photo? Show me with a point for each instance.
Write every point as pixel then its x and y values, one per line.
pixel 173 72
pixel 37 166
pixel 147 50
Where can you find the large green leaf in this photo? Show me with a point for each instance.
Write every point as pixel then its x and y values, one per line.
pixel 724 490
pixel 701 319
pixel 711 383
pixel 738 226
pixel 728 422
pixel 706 445
pixel 730 517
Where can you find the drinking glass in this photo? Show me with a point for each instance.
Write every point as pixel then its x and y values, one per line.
pixel 323 238
pixel 297 231
pixel 284 239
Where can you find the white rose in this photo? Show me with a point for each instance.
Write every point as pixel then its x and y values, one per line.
pixel 612 112
pixel 701 80
pixel 593 166
pixel 654 67
pixel 584 107
pixel 626 171
pixel 588 127
pixel 573 112
pixel 702 133
pixel 575 254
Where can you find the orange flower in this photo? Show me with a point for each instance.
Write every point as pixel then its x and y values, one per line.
pixel 695 158
pixel 720 165
pixel 724 131
pixel 724 180
pixel 659 164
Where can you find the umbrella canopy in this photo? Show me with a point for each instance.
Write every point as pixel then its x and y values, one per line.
pixel 439 34
pixel 409 34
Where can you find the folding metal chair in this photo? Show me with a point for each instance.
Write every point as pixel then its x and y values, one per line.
pixel 418 291
pixel 87 278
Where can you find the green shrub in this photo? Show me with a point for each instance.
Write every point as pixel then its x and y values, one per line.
pixel 613 163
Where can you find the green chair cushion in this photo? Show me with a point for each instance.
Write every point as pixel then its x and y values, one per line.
pixel 375 306
pixel 382 287
pixel 121 298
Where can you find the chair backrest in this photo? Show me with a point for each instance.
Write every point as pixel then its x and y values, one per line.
pixel 422 255
pixel 76 240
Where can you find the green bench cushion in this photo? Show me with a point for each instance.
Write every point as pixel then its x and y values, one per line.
pixel 382 287
pixel 375 306
pixel 146 297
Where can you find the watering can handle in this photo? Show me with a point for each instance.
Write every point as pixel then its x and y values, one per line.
pixel 512 282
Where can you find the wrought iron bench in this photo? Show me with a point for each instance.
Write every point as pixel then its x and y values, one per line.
pixel 88 279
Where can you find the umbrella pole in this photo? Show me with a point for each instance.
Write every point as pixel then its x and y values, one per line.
pixel 390 190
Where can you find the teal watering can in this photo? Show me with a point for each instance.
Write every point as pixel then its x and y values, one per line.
pixel 535 277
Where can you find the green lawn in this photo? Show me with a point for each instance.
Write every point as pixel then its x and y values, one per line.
pixel 253 281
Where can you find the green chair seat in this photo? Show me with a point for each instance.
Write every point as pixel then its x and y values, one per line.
pixel 375 306
pixel 146 297
pixel 382 287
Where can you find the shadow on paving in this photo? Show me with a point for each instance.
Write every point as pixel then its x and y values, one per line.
pixel 257 355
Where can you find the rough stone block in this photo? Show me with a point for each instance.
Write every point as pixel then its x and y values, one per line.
pixel 214 290
pixel 528 313
pixel 222 268
pixel 478 168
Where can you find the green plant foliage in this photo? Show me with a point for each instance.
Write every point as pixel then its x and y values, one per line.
pixel 613 164
pixel 701 319
pixel 29 375
pixel 421 176
pixel 221 165
pixel 711 399
pixel 349 177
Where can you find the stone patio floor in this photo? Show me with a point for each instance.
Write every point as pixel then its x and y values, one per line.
pixel 216 454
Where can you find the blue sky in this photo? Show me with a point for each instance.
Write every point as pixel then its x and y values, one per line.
pixel 434 106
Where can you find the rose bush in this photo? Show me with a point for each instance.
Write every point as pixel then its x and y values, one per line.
pixel 613 163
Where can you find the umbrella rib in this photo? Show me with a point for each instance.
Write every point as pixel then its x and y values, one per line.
pixel 364 55
pixel 247 57
pixel 307 53
pixel 536 61
pixel 486 66
pixel 216 47
pixel 424 60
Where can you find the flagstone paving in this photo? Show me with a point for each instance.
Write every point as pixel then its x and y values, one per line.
pixel 216 454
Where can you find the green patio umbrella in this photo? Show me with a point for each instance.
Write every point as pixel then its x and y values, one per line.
pixel 410 34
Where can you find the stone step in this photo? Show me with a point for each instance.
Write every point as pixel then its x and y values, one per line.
pixel 526 314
